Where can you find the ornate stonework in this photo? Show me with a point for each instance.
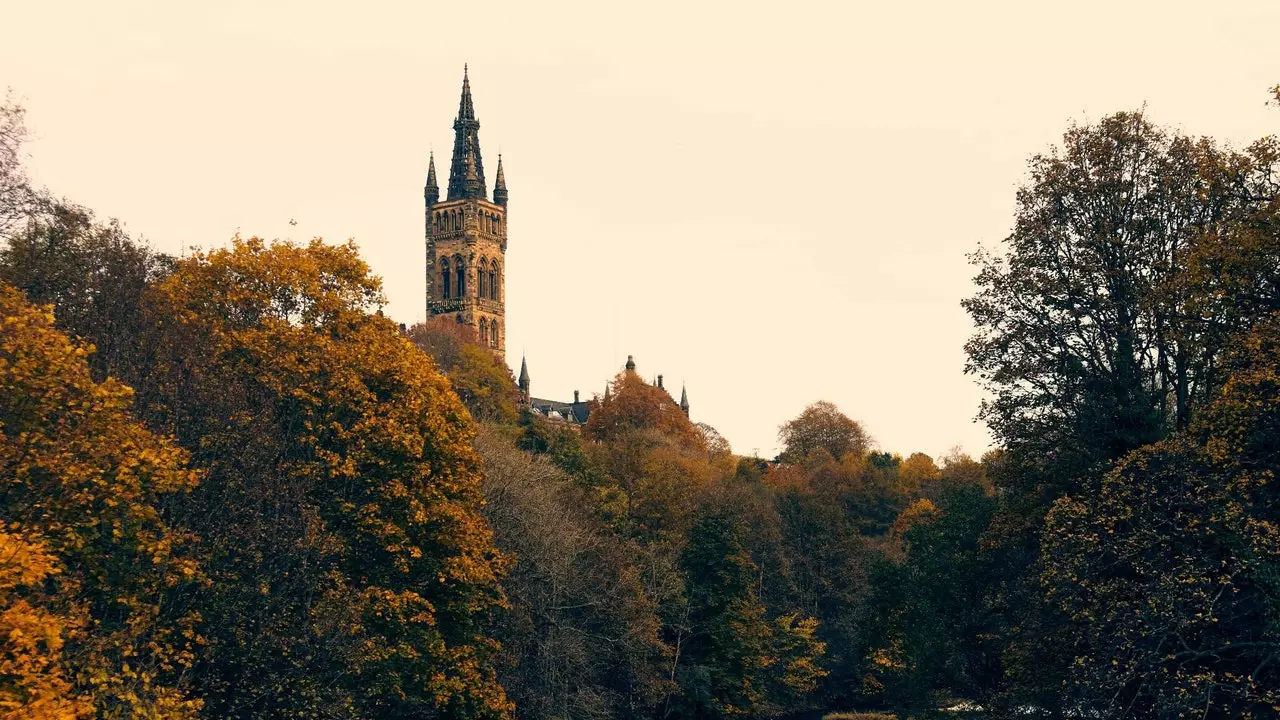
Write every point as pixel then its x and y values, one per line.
pixel 467 236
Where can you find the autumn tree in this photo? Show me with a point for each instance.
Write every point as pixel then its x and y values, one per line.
pixel 352 574
pixel 1170 564
pixel 822 426
pixel 479 376
pixel 81 487
pixel 1088 337
pixel 633 404
pixel 34 682
pixel 93 274
pixel 581 637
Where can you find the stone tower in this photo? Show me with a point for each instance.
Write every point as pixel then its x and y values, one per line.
pixel 467 236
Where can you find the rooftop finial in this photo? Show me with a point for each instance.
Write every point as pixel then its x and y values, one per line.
pixel 631 363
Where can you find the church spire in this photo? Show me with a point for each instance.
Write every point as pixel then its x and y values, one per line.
pixel 432 190
pixel 524 379
pixel 466 149
pixel 684 401
pixel 500 187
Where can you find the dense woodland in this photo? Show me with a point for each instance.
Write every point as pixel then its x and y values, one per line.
pixel 231 488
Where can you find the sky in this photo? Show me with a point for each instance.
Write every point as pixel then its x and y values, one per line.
pixel 769 203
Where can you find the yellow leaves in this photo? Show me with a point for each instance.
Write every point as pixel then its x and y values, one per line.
pixel 78 470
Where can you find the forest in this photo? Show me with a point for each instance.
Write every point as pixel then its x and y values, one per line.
pixel 231 488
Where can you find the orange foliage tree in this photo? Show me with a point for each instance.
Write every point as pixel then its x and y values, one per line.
pixel 358 577
pixel 79 473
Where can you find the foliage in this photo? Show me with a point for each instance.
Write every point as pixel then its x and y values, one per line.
pixel 632 404
pixel 581 639
pixel 33 676
pixel 822 426
pixel 81 475
pixel 1171 564
pixel 358 577
pixel 93 275
pixel 478 375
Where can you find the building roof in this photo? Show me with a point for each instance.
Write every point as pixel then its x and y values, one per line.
pixel 575 412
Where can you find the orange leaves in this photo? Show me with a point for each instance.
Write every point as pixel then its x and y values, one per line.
pixel 80 472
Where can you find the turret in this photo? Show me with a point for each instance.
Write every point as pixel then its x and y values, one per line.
pixel 433 190
pixel 500 187
pixel 684 401
pixel 523 382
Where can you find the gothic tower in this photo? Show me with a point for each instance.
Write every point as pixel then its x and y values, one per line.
pixel 467 236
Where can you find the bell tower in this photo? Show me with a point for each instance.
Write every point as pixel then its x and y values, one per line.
pixel 467 236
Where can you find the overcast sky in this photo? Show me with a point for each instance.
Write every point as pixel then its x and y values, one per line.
pixel 769 202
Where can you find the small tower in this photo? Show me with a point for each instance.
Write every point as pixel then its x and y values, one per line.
pixel 467 236
pixel 432 191
pixel 684 401
pixel 523 383
pixel 500 185
pixel 631 364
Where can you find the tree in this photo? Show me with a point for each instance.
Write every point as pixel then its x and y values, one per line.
pixel 581 638
pixel 18 200
pixel 937 638
pixel 93 275
pixel 358 577
pixel 484 384
pixel 81 487
pixel 1088 339
pixel 822 426
pixel 1170 564
pixel 632 404
pixel 34 682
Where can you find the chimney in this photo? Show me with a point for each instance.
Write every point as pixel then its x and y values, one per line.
pixel 660 383
pixel 575 397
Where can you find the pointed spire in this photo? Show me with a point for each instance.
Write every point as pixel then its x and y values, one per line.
pixel 432 190
pixel 524 376
pixel 466 149
pixel 500 187
pixel 684 400
pixel 466 109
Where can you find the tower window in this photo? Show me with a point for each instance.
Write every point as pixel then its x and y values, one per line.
pixel 493 283
pixel 444 279
pixel 484 331
pixel 480 278
pixel 462 279
pixel 493 334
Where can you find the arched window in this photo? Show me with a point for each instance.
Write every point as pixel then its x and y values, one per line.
pixel 482 278
pixel 461 273
pixel 493 334
pixel 484 331
pixel 495 278
pixel 444 279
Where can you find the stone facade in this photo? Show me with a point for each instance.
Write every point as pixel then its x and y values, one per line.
pixel 466 236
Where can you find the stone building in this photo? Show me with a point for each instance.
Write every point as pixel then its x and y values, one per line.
pixel 467 235
pixel 578 411
pixel 466 255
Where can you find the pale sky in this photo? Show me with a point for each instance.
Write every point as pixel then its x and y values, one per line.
pixel 769 202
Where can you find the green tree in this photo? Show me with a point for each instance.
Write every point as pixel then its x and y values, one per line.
pixel 1170 565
